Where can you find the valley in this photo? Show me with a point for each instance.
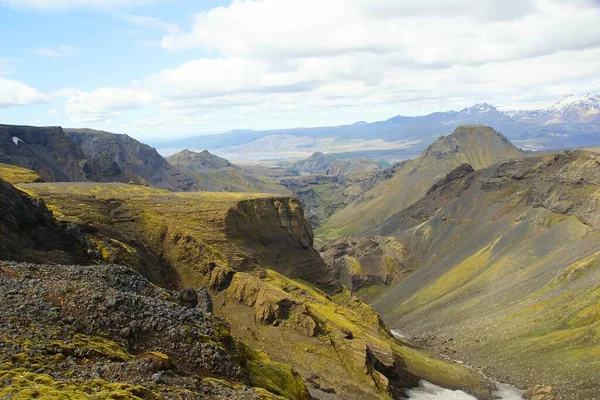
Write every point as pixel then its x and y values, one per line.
pixel 483 256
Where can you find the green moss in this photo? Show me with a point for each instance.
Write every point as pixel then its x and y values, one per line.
pixel 277 378
pixel 13 174
pixel 94 344
pixel 21 384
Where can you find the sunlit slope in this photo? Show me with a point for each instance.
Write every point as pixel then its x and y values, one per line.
pixel 507 264
pixel 15 174
pixel 473 144
pixel 175 238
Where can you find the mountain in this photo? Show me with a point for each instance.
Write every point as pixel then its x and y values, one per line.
pixel 401 185
pixel 571 122
pixel 47 151
pixel 121 158
pixel 325 164
pixel 216 174
pixel 573 109
pixel 506 275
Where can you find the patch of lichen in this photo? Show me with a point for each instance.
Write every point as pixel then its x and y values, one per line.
pixel 14 174
pixel 22 384
pixel 272 376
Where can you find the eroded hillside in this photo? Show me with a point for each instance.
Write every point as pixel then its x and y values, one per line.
pixel 507 273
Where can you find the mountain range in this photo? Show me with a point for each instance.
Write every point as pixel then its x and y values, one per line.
pixel 570 122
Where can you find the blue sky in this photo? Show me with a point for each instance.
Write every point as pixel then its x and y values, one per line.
pixel 157 69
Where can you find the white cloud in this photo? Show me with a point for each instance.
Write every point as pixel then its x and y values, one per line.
pixel 53 112
pixel 423 32
pixel 15 93
pixel 291 62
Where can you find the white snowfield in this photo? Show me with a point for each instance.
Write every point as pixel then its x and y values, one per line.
pixel 16 140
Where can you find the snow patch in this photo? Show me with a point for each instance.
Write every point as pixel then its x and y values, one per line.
pixel 16 140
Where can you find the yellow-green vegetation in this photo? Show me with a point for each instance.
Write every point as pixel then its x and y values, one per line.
pixel 96 345
pixel 25 385
pixel 14 174
pixel 274 377
pixel 330 337
pixel 476 145
pixel 136 223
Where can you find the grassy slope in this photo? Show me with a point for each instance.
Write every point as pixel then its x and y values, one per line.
pixel 477 146
pixel 14 174
pixel 515 286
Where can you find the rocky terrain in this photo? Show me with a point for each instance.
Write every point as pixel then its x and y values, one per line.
pixel 105 332
pixel 400 186
pixel 517 294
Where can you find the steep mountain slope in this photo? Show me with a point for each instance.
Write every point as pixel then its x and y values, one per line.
pixel 403 137
pixel 121 158
pixel 325 164
pixel 216 174
pixel 409 181
pixel 507 274
pixel 29 232
pixel 223 241
pixel 47 151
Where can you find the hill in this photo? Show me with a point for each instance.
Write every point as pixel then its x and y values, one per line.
pixel 216 174
pixel 403 184
pixel 506 270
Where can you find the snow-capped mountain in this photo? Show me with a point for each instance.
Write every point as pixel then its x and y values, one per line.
pixel 570 122
pixel 573 109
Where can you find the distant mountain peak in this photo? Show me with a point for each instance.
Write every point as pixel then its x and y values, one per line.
pixel 478 109
pixel 193 161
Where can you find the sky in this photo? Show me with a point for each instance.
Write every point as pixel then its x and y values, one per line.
pixel 172 68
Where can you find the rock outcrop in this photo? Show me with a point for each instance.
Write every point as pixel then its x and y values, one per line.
pixel 278 224
pixel 363 262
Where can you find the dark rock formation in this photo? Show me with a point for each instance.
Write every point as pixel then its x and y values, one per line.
pixel 120 158
pixel 29 232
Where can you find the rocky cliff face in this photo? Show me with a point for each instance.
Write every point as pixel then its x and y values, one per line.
pixel 29 232
pixel 278 224
pixel 121 158
pixel 48 151
pixel 513 250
